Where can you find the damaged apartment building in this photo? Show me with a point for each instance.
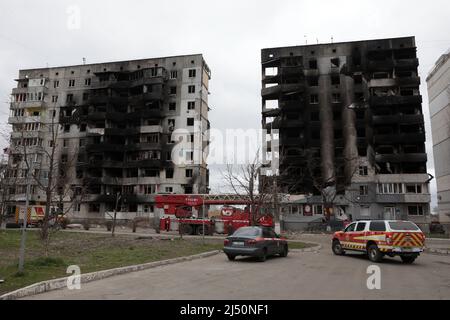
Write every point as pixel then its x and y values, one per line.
pixel 348 120
pixel 116 133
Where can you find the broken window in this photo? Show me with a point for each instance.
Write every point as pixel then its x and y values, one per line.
pixel 172 106
pixel 169 173
pixel 189 173
pixel 191 89
pixel 173 90
pixel 334 62
pixel 72 83
pixel 190 121
pixel 87 81
pixel 313 64
pixel 192 73
pixel 336 97
pixel 173 74
pixel 313 81
pixel 315 116
pixel 56 84
pixel 314 99
pixel 271 71
pixel 335 80
pixel 191 105
pixel 363 190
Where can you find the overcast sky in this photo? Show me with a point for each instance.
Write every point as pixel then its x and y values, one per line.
pixel 229 33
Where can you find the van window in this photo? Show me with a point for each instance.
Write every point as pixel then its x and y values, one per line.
pixel 361 226
pixel 377 226
pixel 350 228
pixel 403 226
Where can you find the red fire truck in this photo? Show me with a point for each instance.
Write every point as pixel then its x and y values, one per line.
pixel 175 211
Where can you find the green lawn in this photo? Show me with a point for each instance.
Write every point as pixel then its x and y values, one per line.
pixel 91 252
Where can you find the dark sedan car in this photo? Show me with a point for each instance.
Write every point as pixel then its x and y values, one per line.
pixel 259 242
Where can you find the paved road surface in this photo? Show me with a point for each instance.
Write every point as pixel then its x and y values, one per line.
pixel 302 275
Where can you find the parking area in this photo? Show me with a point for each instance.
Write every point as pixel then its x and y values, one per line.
pixel 302 275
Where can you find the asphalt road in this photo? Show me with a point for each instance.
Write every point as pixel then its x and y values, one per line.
pixel 302 275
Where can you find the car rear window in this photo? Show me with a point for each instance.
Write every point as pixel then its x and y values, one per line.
pixel 377 226
pixel 403 226
pixel 247 232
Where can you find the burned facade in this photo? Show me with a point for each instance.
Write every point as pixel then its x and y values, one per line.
pixel 119 123
pixel 349 120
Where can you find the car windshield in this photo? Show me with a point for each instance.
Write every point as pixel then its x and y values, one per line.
pixel 247 232
pixel 403 226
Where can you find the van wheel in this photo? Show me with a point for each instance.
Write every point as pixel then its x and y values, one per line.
pixel 408 259
pixel 337 248
pixel 374 253
pixel 284 253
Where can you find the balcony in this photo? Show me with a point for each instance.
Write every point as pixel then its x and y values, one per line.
pixel 121 131
pixel 401 157
pixel 291 105
pixel 403 198
pixel 151 129
pixel 96 131
pixel 399 138
pixel 143 146
pixel 271 112
pixel 25 119
pixel 277 90
pixel 411 63
pixel 398 118
pixel 394 100
pixel 105 147
pixel 147 163
pixel 144 113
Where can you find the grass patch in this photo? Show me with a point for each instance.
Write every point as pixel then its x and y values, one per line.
pixel 91 252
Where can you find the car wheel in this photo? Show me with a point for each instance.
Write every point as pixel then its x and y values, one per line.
pixel 337 248
pixel 186 229
pixel 284 253
pixel 408 259
pixel 202 230
pixel 263 257
pixel 374 253
pixel 231 257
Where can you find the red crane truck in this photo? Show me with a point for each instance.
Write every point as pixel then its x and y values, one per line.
pixel 175 211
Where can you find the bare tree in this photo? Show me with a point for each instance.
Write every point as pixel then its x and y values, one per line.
pixel 248 180
pixel 51 175
pixel 330 187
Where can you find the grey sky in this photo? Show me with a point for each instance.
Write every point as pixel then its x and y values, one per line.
pixel 229 33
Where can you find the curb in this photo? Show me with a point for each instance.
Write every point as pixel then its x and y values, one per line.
pixel 60 283
pixel 437 251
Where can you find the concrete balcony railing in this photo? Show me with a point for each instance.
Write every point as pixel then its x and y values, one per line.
pixel 403 198
pixel 277 90
pixel 398 118
pixel 394 100
pixel 25 119
pixel 393 138
pixel 401 157
pixel 271 112
pixel 151 129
